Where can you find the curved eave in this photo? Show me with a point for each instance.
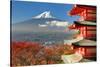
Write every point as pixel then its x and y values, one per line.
pixel 85 43
pixel 75 11
pixel 82 24
pixel 87 7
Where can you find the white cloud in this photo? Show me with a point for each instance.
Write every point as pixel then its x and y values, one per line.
pixel 57 23
pixel 42 25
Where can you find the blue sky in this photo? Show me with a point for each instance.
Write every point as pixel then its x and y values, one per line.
pixel 22 10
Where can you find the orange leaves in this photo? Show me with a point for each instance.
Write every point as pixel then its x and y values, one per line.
pixel 51 62
pixel 48 51
pixel 23 53
pixel 31 53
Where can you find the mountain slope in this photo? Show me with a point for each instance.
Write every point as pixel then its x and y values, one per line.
pixel 45 14
pixel 43 22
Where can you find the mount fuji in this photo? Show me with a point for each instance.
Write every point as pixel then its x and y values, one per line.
pixel 43 22
pixel 42 28
pixel 45 14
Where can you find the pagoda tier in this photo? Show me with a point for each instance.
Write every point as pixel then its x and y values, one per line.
pixel 87 13
pixel 86 29
pixel 87 48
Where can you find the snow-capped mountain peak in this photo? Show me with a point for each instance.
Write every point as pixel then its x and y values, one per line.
pixel 45 14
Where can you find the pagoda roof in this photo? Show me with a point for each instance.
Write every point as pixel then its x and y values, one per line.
pixel 77 9
pixel 86 7
pixel 85 23
pixel 85 42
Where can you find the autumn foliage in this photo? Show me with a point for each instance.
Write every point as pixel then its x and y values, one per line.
pixel 31 53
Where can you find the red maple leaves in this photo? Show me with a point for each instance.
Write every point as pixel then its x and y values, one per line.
pixel 31 53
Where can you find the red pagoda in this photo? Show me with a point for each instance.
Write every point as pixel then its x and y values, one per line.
pixel 86 25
